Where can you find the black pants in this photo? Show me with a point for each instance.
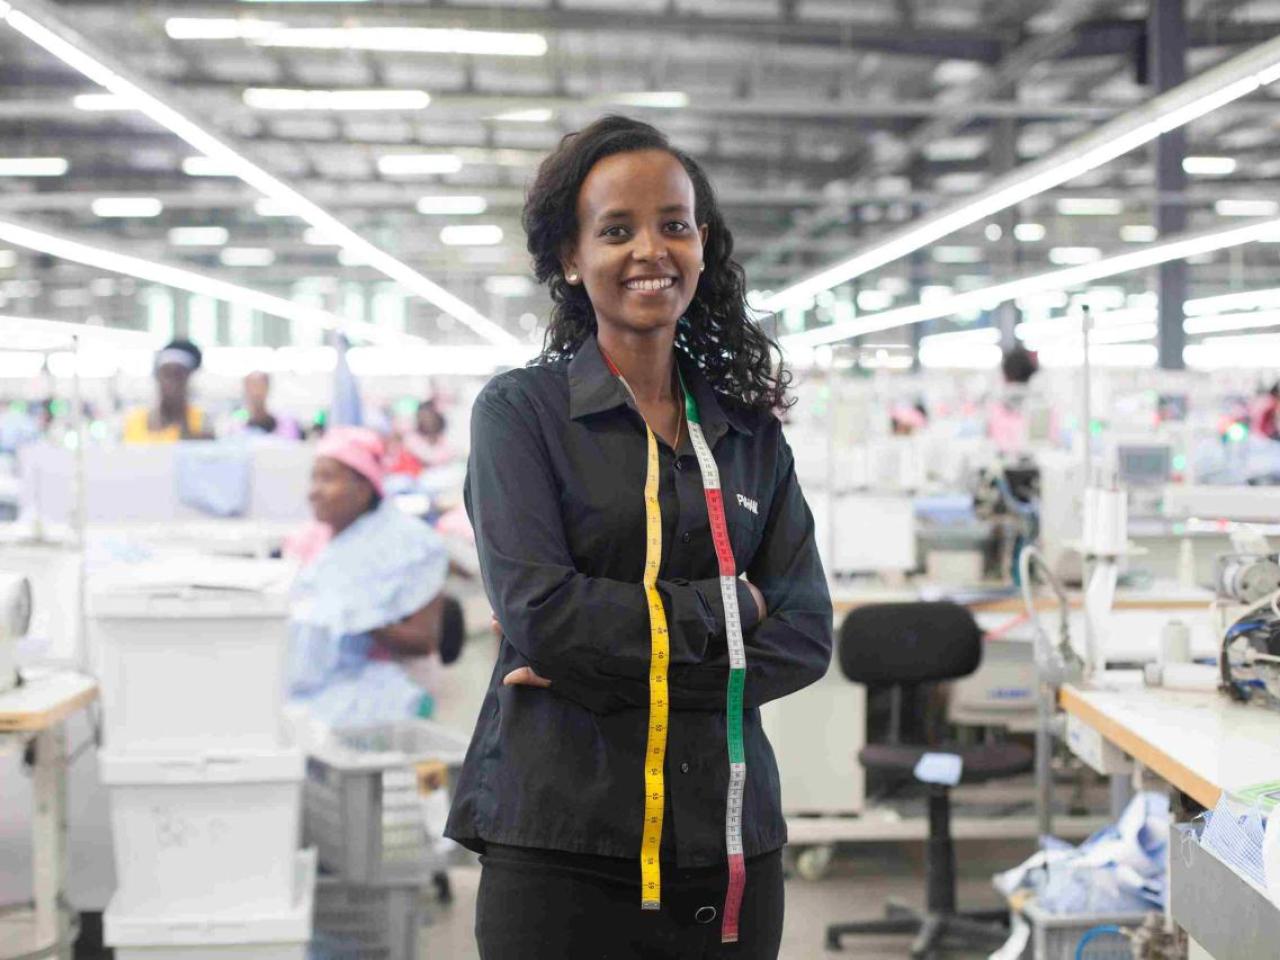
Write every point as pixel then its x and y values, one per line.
pixel 547 905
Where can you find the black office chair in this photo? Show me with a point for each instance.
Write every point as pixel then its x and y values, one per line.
pixel 905 645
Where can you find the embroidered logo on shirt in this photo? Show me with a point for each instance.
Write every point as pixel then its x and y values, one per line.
pixel 749 504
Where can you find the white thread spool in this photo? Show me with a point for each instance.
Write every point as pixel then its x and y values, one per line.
pixel 1175 643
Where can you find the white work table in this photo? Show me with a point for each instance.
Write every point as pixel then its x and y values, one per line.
pixel 37 710
pixel 1201 742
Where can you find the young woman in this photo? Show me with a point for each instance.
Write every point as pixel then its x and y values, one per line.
pixel 617 487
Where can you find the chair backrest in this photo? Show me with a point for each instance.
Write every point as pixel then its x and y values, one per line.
pixel 891 644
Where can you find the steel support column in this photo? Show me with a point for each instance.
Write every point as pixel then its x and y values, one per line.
pixel 1166 68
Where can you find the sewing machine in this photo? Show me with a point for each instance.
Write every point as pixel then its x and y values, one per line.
pixel 15 618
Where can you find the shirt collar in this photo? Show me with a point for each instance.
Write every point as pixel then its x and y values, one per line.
pixel 593 389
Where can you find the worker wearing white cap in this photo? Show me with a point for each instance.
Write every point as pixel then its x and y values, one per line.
pixel 174 417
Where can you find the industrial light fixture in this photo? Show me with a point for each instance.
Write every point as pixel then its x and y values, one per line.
pixel 198 236
pixel 247 257
pixel 42 241
pixel 1139 233
pixel 957 254
pixel 99 102
pixel 490 43
pixel 455 205
pixel 987 298
pixel 1244 300
pixel 535 115
pixel 267 207
pixel 32 166
pixel 1209 166
pixel 1071 256
pixel 37 333
pixel 654 99
pixel 1228 207
pixel 1215 87
pixel 281 98
pixel 206 167
pixel 126 207
pixel 418 164
pixel 1090 206
pixel 318 238
pixel 72 50
pixel 1223 322
pixel 480 235
pixel 1029 232
pixel 218 28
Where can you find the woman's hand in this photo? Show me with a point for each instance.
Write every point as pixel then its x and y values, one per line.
pixel 524 677
pixel 520 676
pixel 761 606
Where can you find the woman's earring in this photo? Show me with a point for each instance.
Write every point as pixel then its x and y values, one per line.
pixel 572 278
pixel 702 267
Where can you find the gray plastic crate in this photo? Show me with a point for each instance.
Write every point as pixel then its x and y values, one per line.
pixel 361 805
pixel 1222 911
pixel 1055 937
pixel 355 922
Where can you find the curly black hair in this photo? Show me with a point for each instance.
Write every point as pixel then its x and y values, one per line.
pixel 717 332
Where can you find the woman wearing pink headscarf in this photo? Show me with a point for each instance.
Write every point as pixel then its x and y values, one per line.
pixel 368 594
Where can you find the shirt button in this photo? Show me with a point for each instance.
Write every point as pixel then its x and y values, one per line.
pixel 705 914
pixel 684 767
pixel 686 537
pixel 679 463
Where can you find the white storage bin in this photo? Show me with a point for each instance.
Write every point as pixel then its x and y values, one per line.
pixel 214 834
pixel 258 934
pixel 186 662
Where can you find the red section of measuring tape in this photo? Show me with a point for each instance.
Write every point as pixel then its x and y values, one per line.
pixel 733 899
pixel 720 532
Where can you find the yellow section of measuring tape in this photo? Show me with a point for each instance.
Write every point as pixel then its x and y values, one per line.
pixel 659 659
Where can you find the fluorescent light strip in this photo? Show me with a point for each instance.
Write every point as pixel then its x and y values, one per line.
pixel 1232 301
pixel 218 28
pixel 1228 207
pixel 406 40
pixel 654 99
pixel 414 164
pixel 1222 322
pixel 32 166
pixel 55 246
pixel 205 167
pixel 211 146
pixel 34 333
pixel 1209 166
pixel 480 235
pixel 989 297
pixel 452 205
pixel 279 98
pixel 198 236
pixel 127 207
pixel 1090 206
pixel 1203 94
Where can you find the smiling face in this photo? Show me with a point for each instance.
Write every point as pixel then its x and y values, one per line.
pixel 638 250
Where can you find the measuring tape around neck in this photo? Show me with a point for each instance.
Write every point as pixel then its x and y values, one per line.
pixel 659 659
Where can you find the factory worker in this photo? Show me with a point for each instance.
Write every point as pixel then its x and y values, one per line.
pixel 426 442
pixel 1019 416
pixel 599 775
pixel 368 597
pixel 174 417
pixel 257 417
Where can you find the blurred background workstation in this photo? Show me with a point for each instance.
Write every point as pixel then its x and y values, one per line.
pixel 257 259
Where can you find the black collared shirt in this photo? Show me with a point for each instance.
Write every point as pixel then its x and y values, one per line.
pixel 555 492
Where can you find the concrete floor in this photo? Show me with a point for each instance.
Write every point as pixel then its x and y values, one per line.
pixel 860 879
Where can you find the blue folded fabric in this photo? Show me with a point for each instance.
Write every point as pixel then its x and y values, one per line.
pixel 1234 832
pixel 214 478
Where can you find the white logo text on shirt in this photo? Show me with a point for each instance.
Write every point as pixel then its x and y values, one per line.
pixel 749 504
